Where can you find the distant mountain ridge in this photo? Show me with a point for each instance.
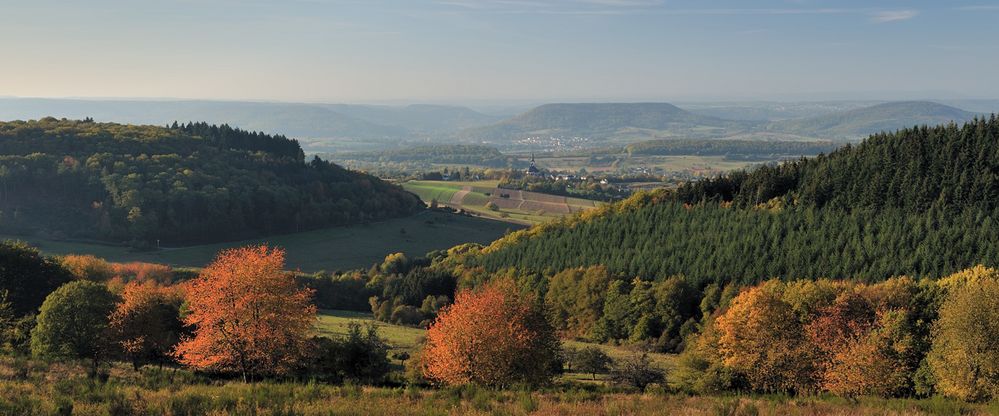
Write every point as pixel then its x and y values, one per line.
pixel 330 121
pixel 600 120
pixel 874 119
pixel 644 121
pixel 377 127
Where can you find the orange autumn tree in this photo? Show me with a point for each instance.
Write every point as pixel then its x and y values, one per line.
pixel 493 336
pixel 760 336
pixel 249 316
pixel 146 323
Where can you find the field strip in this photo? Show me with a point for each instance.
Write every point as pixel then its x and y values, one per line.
pixel 458 196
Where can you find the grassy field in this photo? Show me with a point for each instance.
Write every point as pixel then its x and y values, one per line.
pixel 409 339
pixel 339 248
pixel 525 208
pixel 400 338
pixel 29 387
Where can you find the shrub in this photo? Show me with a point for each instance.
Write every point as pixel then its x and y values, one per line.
pixel 359 356
pixel 88 267
pixel 637 372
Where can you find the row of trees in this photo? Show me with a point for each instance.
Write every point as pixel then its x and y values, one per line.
pixel 181 184
pixel 900 337
pixel 242 315
pixel 732 148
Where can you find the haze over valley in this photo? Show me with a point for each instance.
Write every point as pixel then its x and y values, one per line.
pixel 499 207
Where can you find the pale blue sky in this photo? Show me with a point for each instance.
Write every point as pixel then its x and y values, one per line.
pixel 475 50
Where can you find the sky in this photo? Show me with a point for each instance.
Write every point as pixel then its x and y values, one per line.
pixel 499 50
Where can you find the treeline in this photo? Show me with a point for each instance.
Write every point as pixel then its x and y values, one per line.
pixel 732 148
pixel 591 188
pixel 241 316
pixel 900 337
pixel 192 183
pixel 913 169
pixel 400 290
pixel 226 137
pixel 455 154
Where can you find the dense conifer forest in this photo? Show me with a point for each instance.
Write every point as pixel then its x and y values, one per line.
pixel 177 184
pixel 917 202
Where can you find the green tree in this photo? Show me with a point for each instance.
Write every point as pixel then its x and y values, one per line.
pixel 27 276
pixel 73 323
pixel 592 360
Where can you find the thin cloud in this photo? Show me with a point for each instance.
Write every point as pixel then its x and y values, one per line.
pixel 893 15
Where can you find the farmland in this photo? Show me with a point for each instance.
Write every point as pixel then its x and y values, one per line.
pixel 485 199
pixel 338 248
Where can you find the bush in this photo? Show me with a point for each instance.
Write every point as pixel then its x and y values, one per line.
pixel 88 267
pixel 636 372
pixel 360 356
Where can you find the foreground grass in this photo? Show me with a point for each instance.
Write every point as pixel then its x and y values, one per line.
pixel 37 388
pixel 339 248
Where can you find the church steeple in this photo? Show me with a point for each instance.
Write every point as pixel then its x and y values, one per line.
pixel 533 170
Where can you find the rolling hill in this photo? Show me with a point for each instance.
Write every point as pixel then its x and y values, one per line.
pixel 605 121
pixel 918 202
pixel 187 183
pixel 860 122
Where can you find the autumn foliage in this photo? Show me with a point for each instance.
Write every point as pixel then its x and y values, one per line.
pixel 146 323
pixel 965 356
pixel 492 336
pixel 249 316
pixel 841 337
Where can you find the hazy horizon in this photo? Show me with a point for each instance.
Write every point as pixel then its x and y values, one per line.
pixel 500 51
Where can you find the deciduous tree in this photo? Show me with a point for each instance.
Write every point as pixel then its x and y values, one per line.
pixel 73 323
pixel 248 315
pixel 146 324
pixel 494 336
pixel 964 356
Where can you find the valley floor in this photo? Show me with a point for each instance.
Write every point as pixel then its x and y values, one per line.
pixel 337 248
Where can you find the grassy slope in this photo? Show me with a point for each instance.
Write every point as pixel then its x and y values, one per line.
pixel 475 201
pixel 338 248
pixel 401 338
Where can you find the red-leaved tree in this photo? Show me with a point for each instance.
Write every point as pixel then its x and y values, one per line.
pixel 494 336
pixel 249 316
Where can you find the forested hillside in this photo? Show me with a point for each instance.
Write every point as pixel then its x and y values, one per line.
pixel 183 183
pixel 920 202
